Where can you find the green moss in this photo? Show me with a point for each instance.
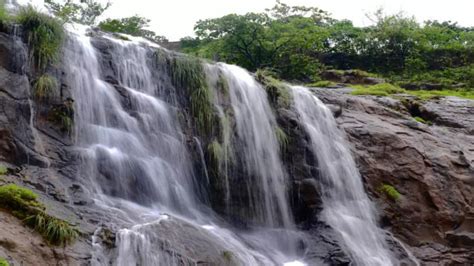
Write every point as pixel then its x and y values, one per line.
pixel 383 89
pixel 387 89
pixel 277 91
pixel 421 120
pixel 215 150
pixel 3 170
pixel 227 255
pixel 4 262
pixel 45 86
pixel 390 191
pixel 23 203
pixel 44 35
pixel 322 84
pixel 188 73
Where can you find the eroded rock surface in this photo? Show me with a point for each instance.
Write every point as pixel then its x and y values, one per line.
pixel 432 167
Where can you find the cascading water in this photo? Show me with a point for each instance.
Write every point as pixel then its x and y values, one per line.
pixel 346 207
pixel 137 161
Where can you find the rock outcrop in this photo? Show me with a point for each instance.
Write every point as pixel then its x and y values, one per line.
pixel 431 167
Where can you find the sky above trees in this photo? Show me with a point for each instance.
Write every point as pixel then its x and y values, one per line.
pixel 176 18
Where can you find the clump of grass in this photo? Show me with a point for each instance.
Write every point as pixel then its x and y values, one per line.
pixel 188 73
pixel 382 89
pixel 23 203
pixel 55 231
pixel 277 91
pixel 322 84
pixel 3 170
pixel 215 150
pixel 390 191
pixel 44 35
pixel 45 86
pixel 4 262
pixel 281 137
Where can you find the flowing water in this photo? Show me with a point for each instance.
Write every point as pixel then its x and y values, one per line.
pixel 135 155
pixel 346 207
pixel 135 160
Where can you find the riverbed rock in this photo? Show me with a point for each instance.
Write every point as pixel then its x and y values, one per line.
pixel 431 167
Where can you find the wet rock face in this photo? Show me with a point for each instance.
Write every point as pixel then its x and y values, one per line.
pixel 431 167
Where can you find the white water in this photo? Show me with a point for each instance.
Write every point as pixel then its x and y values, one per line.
pixel 346 207
pixel 139 167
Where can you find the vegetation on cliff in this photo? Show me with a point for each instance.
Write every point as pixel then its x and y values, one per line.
pixel 298 43
pixel 23 204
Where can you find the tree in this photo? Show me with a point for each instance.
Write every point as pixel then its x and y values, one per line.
pixel 135 26
pixel 85 11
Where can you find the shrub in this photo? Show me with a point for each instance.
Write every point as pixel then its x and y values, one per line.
pixel 44 36
pixel 390 191
pixel 3 14
pixel 23 203
pixel 45 86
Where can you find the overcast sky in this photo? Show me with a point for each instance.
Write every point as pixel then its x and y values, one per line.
pixel 176 18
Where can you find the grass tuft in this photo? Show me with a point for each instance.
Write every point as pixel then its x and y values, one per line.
pixel 23 204
pixel 277 91
pixel 44 35
pixel 382 89
pixel 390 191
pixel 188 73
pixel 45 86
pixel 281 137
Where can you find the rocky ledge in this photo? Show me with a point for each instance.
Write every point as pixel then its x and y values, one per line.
pixel 420 174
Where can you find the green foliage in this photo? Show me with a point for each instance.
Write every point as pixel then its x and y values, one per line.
pixel 62 116
pixel 23 203
pixel 4 17
pixel 281 137
pixel 383 89
pixel 188 73
pixel 4 262
pixel 390 191
pixel 322 84
pixel 44 34
pixel 428 94
pixel 45 86
pixel 83 11
pixel 299 42
pixel 3 170
pixel 216 151
pixel 135 26
pixel 55 231
pixel 421 120
pixel 277 91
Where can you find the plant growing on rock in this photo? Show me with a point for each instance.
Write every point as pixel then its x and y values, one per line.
pixel 188 73
pixel 23 204
pixel 44 35
pixel 4 262
pixel 390 191
pixel 45 86
pixel 277 91
pixel 3 170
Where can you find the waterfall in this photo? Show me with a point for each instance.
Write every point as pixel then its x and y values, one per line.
pixel 256 139
pixel 135 159
pixel 346 207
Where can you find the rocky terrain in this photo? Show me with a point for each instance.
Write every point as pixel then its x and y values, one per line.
pixel 429 166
